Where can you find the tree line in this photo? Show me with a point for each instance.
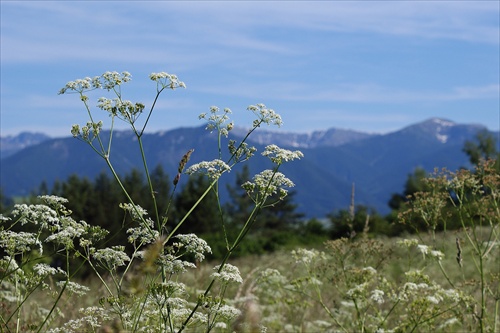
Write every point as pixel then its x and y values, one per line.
pixel 281 225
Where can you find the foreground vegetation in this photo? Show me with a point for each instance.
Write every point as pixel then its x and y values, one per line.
pixel 59 273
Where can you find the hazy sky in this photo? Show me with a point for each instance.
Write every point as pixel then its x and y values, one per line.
pixel 367 65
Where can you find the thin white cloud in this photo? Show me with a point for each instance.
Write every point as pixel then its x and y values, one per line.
pixel 183 31
pixel 356 93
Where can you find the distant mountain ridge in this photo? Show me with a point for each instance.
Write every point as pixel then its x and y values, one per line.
pixel 13 143
pixel 332 137
pixel 378 164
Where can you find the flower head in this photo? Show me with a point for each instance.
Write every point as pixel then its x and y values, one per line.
pixel 228 273
pixel 111 258
pixel 165 80
pixel 213 169
pixel 194 245
pixel 216 120
pixel 267 183
pixel 265 115
pixel 279 155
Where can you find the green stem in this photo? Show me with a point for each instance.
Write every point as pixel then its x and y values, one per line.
pixel 148 176
pixel 58 296
pixel 151 110
pixel 190 211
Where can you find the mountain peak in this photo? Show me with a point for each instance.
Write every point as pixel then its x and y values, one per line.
pixel 440 122
pixel 442 130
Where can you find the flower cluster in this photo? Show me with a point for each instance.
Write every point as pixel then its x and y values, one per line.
pixel 142 235
pixel 408 242
pixel 73 287
pixel 265 115
pixel 172 265
pixel 81 85
pixel 228 273
pixel 124 109
pixel 306 256
pixel 108 81
pixel 213 169
pixel 88 132
pixel 267 183
pixel 225 313
pixel 165 80
pixel 279 155
pixel 15 243
pixel 136 212
pixel 216 121
pixel 111 258
pixel 66 231
pixel 241 153
pixel 193 245
pixel 35 214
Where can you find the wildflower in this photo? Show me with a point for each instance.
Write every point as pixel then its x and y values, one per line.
pixel 166 80
pixel 215 121
pixel 357 291
pixel 265 115
pixel 111 258
pixel 53 200
pixel 18 242
pixel 322 323
pixel 143 235
pixel 424 249
pixel 220 325
pixel 213 169
pixel 112 79
pixel 136 212
pixel 305 256
pixel 437 254
pixel 74 287
pixel 175 266
pixel 228 273
pixel 408 242
pixel 279 155
pixel 267 183
pixel 241 153
pixel 377 296
pixel 347 304
pixel 36 214
pixel 271 277
pixel 417 275
pixel 433 299
pixel 449 322
pixel 370 270
pixel 315 282
pixel 44 270
pixel 81 85
pixel 226 312
pixel 67 231
pixel 194 245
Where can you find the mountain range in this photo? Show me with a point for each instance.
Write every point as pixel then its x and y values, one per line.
pixel 334 159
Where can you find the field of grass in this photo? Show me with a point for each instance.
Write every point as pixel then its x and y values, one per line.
pixel 360 285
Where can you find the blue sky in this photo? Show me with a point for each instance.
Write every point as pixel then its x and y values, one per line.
pixel 367 65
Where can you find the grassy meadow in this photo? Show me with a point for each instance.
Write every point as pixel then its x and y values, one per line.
pixel 340 286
